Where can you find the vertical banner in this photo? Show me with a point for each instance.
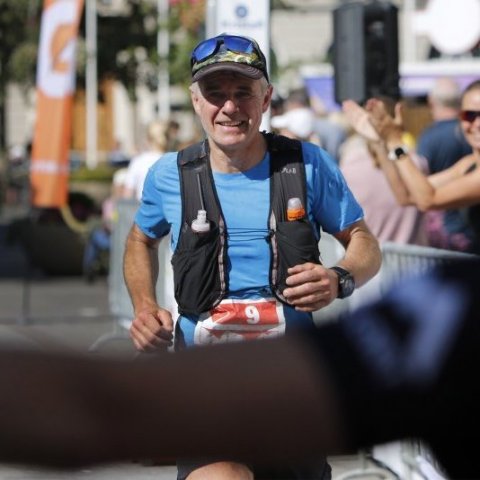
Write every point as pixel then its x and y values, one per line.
pixel 244 17
pixel 55 87
pixel 250 18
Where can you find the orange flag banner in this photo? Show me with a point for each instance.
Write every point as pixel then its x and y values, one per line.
pixel 49 169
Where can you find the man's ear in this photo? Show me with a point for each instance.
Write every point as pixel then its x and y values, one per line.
pixel 194 99
pixel 267 98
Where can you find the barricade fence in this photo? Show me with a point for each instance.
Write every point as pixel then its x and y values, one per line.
pixel 400 260
pixel 118 297
pixel 119 300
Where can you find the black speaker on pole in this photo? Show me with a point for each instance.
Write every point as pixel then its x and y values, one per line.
pixel 365 51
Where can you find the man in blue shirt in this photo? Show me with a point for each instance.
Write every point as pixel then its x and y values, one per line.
pixel 230 92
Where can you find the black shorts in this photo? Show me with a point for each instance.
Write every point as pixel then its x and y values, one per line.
pixel 320 470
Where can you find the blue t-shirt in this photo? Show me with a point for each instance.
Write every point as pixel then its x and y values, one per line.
pixel 245 203
pixel 442 144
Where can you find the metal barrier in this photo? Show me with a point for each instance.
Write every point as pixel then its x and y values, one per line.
pixel 400 260
pixel 119 299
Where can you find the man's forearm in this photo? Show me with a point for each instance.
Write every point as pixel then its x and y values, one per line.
pixel 140 269
pixel 363 256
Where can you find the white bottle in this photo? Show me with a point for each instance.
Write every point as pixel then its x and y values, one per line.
pixel 201 224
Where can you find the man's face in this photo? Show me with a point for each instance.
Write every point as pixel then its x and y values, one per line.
pixel 230 107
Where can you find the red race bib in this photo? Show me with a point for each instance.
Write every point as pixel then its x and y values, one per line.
pixel 234 320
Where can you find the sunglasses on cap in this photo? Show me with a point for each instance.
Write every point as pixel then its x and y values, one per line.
pixel 231 48
pixel 469 115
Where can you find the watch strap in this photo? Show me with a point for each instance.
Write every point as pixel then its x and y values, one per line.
pixel 397 153
pixel 346 282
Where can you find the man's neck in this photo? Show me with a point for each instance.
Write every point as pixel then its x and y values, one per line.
pixel 237 159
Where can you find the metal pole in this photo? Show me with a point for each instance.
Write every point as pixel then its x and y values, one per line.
pixel 408 33
pixel 211 18
pixel 163 47
pixel 91 83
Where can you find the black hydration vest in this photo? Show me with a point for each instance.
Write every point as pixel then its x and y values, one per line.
pixel 200 260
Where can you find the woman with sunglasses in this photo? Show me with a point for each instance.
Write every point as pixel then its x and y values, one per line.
pixel 454 187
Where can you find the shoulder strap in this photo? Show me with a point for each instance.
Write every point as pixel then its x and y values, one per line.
pixel 287 169
pixel 196 184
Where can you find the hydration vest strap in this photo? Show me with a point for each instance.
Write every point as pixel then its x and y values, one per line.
pixel 197 185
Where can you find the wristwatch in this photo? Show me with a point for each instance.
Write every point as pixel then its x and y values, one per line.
pixel 346 282
pixel 397 153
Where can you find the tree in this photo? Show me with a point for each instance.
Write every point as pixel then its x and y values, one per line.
pixel 18 31
pixel 126 46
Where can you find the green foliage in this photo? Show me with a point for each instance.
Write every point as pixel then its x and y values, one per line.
pixel 126 47
pixel 102 173
pixel 22 65
pixel 17 29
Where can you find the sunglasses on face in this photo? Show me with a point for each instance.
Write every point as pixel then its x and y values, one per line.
pixel 469 115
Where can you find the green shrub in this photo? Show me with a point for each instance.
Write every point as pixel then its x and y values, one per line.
pixel 102 173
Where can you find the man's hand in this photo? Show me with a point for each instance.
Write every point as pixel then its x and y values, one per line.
pixel 152 329
pixel 311 287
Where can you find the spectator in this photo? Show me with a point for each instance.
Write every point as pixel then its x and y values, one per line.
pixel 388 220
pixel 330 127
pixel 97 248
pixel 443 144
pixel 117 157
pixel 296 123
pixel 157 140
pixel 321 130
pixel 386 217
pixel 173 130
pixel 455 187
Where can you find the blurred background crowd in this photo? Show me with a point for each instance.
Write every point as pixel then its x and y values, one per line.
pixel 308 53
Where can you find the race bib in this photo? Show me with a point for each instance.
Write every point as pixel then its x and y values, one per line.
pixel 237 320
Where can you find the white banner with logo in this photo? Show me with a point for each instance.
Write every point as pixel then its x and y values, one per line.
pixel 249 18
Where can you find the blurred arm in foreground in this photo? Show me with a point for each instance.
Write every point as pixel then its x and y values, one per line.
pixel 402 367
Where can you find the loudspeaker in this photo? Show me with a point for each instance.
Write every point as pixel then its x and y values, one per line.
pixel 365 51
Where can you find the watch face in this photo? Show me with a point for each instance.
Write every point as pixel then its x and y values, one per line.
pixel 347 285
pixel 397 153
pixel 346 282
pixel 400 151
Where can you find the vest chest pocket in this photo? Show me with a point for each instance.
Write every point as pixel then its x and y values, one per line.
pixel 196 265
pixel 295 243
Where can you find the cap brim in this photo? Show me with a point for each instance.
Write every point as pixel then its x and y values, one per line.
pixel 241 68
